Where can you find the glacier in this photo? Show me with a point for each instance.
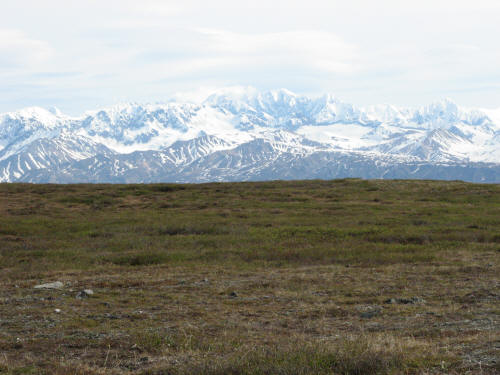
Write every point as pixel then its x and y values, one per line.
pixel 242 135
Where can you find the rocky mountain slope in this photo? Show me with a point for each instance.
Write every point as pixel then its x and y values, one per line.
pixel 250 135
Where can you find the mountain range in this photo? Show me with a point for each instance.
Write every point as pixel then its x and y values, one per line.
pixel 240 135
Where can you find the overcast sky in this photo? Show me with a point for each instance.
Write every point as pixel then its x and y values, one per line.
pixel 80 55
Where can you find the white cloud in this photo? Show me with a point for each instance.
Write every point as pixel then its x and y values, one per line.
pixel 310 49
pixel 159 7
pixel 405 52
pixel 227 55
pixel 199 94
pixel 18 50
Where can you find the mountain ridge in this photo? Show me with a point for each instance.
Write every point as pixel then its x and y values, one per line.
pixel 271 128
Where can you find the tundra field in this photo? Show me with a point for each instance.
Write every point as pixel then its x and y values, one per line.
pixel 304 277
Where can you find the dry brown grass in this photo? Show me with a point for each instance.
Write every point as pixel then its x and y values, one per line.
pixel 311 264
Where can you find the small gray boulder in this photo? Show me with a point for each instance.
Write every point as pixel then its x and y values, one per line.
pixel 84 293
pixel 54 285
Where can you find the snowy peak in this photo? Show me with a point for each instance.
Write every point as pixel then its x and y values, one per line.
pixel 328 109
pixel 232 99
pixel 242 132
pixel 29 119
pixel 446 113
pixel 286 110
pixel 133 127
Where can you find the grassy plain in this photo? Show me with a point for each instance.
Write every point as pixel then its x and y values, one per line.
pixel 303 277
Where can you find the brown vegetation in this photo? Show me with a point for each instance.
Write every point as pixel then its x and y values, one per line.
pixel 302 277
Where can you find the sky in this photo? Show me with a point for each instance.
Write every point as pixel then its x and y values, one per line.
pixel 81 55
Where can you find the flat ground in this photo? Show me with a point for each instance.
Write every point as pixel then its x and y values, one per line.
pixel 304 277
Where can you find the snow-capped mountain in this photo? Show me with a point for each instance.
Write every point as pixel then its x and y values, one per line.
pixel 250 135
